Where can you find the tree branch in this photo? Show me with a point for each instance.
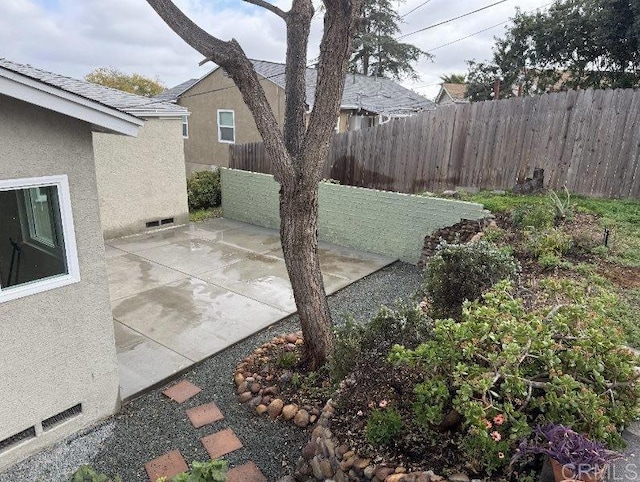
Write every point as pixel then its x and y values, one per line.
pixel 272 8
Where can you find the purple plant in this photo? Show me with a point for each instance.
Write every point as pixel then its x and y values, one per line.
pixel 567 447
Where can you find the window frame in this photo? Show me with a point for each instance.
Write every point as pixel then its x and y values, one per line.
pixel 61 183
pixel 185 127
pixel 221 111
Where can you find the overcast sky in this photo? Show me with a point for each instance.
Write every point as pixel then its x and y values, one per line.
pixel 73 37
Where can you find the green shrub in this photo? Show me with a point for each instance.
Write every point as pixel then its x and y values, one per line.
pixel 203 190
pixel 504 369
pixel 211 471
pixel 460 272
pixel 287 359
pixel 406 325
pixel 546 242
pixel 383 426
pixel 86 473
pixel 537 216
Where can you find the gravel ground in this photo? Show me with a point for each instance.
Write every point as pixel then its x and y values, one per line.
pixel 152 425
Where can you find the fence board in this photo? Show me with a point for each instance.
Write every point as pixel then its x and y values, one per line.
pixel 587 140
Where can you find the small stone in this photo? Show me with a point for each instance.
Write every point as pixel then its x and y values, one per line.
pixel 261 409
pixel 290 347
pixel 459 477
pixel 266 400
pixel 250 379
pixel 360 464
pixel 238 379
pixel 369 471
pixel 395 478
pixel 327 470
pixel 299 341
pixel 291 338
pixel 340 451
pixel 255 387
pixel 383 472
pixel 289 411
pixel 243 387
pixel 313 418
pixel 348 454
pixel 275 408
pixel 433 477
pixel 245 397
pixel 254 402
pixel 400 470
pixel 272 390
pixel 346 464
pixel 309 450
pixel 301 418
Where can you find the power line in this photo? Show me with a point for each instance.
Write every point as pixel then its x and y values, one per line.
pixel 451 19
pixel 414 9
pixel 483 30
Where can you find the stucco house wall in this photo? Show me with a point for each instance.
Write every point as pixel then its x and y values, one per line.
pixel 150 169
pixel 58 346
pixel 217 91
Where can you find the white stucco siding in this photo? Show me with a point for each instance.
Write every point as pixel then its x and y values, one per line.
pixel 57 347
pixel 141 179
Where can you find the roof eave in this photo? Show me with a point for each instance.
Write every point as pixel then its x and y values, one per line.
pixel 59 100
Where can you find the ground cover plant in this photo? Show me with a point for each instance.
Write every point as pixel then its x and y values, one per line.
pixel 451 385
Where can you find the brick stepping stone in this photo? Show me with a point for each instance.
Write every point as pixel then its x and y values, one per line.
pixel 204 414
pixel 167 465
pixel 182 391
pixel 248 472
pixel 221 443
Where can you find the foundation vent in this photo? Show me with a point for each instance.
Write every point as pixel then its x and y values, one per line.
pixel 17 438
pixel 61 417
pixel 153 224
pixel 166 221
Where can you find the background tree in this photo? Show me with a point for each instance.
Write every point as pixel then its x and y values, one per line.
pixel 298 152
pixel 575 44
pixel 134 83
pixel 453 79
pixel 375 50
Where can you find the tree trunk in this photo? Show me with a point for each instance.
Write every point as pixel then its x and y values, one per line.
pixel 298 228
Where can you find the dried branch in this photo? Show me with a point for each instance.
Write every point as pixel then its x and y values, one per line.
pixel 272 8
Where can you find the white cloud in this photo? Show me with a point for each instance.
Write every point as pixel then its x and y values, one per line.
pixel 72 37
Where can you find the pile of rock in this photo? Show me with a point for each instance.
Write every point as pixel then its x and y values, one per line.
pixel 461 232
pixel 260 391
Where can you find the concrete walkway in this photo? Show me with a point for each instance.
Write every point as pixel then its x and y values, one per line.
pixel 180 295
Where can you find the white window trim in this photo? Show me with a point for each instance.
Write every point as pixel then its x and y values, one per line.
pixel 185 126
pixel 68 235
pixel 234 126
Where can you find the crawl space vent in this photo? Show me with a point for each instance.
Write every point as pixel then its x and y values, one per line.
pixel 61 417
pixel 15 439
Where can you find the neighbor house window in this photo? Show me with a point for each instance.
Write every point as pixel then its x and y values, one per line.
pixel 185 126
pixel 37 241
pixel 226 126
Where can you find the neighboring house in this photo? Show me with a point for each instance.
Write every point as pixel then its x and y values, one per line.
pixel 219 116
pixel 58 359
pixel 141 181
pixel 452 94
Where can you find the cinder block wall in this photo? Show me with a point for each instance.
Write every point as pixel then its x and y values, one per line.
pixel 387 223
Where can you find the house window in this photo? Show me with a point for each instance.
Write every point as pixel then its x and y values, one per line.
pixel 37 241
pixel 226 126
pixel 185 126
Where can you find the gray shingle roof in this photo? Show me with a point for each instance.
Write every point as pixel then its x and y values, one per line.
pixel 378 95
pixel 172 94
pixel 116 99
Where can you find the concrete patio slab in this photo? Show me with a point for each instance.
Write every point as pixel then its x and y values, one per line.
pixel 183 294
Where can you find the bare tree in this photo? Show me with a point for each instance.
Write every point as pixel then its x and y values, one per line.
pixel 297 153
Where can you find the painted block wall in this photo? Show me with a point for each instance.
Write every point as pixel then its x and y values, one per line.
pixel 382 222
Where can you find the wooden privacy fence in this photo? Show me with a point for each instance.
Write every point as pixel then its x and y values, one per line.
pixel 588 140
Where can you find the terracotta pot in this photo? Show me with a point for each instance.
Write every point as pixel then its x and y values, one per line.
pixel 562 473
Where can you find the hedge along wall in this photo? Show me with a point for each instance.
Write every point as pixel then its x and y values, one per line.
pixel 383 222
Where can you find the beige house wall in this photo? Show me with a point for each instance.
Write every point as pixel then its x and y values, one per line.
pixel 141 179
pixel 58 347
pixel 216 91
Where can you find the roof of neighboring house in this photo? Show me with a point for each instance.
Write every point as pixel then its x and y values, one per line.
pixel 455 91
pixel 173 93
pixel 129 103
pixel 373 94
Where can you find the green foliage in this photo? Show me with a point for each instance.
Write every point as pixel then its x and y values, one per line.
pixel 134 83
pixel 563 208
pixel 550 241
pixel 453 79
pixel 406 325
pixel 86 473
pixel 505 369
pixel 203 190
pixel 574 44
pixel 460 272
pixel 287 359
pixel 200 215
pixel 383 426
pixel 375 48
pixel 537 216
pixel 211 471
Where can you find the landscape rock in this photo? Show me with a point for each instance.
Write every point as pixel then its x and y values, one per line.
pixel 459 477
pixel 301 418
pixel 275 408
pixel 289 411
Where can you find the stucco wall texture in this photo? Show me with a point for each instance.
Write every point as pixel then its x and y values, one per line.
pixel 217 91
pixel 383 222
pixel 141 179
pixel 57 348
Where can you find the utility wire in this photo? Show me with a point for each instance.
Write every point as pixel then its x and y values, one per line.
pixel 414 9
pixel 451 19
